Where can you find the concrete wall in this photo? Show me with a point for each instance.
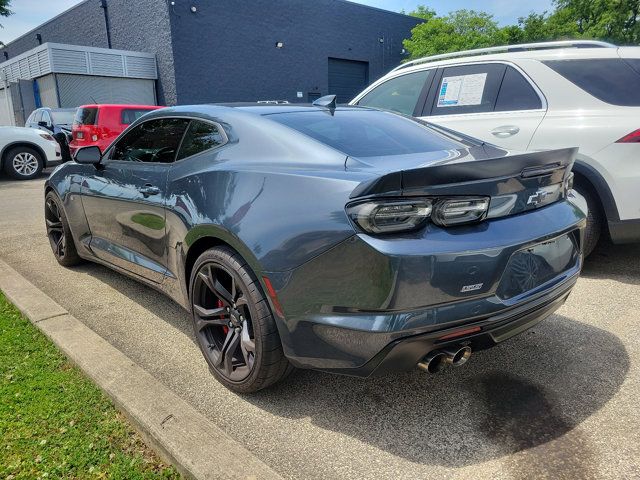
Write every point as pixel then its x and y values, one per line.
pixel 140 25
pixel 226 52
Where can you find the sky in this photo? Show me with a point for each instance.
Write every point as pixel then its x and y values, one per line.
pixel 28 14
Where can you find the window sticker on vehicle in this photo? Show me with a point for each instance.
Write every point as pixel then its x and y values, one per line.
pixel 462 90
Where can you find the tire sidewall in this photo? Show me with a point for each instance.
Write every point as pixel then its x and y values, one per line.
pixel 71 257
pixel 8 163
pixel 227 259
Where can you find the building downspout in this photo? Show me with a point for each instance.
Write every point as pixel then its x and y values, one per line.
pixel 103 5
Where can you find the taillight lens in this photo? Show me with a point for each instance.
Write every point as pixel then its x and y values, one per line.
pixel 633 137
pixel 46 136
pixel 393 215
pixel 456 211
pixel 387 216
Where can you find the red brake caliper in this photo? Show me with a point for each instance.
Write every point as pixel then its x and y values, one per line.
pixel 225 329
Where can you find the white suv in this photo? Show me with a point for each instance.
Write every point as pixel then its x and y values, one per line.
pixel 24 152
pixel 535 97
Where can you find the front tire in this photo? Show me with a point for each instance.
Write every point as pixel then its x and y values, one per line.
pixel 233 323
pixel 59 233
pixel 23 163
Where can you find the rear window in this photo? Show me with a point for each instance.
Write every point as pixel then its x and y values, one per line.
pixel 612 80
pixel 366 133
pixel 130 115
pixel 86 116
pixel 63 117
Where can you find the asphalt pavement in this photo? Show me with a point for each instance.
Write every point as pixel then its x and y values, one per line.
pixel 559 401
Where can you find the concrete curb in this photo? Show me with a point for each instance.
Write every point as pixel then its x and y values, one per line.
pixel 180 434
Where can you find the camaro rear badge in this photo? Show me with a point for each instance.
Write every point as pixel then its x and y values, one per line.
pixel 471 288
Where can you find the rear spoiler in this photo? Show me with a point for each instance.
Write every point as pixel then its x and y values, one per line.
pixel 468 176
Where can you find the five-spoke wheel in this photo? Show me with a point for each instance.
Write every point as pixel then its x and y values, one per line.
pixel 233 324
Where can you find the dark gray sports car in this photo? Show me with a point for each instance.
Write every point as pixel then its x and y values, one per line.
pixel 344 239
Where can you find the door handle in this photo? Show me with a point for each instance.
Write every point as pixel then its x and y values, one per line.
pixel 149 190
pixel 505 131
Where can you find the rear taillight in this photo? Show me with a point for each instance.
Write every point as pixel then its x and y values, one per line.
pixel 633 137
pixel 395 215
pixel 457 211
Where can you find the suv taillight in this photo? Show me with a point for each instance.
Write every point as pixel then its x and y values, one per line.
pixel 633 137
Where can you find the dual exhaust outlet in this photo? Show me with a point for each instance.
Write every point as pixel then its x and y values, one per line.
pixel 438 359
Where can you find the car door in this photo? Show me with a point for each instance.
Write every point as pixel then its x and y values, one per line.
pixel 490 101
pixel 403 94
pixel 124 200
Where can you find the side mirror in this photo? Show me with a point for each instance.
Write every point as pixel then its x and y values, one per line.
pixel 45 125
pixel 88 155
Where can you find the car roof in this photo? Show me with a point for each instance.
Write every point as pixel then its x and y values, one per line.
pixel 271 109
pixel 542 54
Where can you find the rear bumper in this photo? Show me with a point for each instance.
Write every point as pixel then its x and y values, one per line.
pixel 372 298
pixel 403 354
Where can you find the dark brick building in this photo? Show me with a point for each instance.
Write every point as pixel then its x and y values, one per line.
pixel 230 50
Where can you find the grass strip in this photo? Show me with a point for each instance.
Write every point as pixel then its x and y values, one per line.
pixel 54 422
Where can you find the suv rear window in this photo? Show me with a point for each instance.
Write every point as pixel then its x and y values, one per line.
pixel 366 133
pixel 86 116
pixel 130 115
pixel 611 80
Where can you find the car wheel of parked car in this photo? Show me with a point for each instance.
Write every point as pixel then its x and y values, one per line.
pixel 233 323
pixel 58 232
pixel 23 163
pixel 595 220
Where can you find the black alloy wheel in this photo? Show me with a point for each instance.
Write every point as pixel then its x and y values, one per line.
pixel 58 232
pixel 223 321
pixel 233 323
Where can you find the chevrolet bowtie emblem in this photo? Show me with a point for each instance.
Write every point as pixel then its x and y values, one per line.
pixel 537 197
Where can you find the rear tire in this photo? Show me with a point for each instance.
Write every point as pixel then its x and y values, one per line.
pixel 59 233
pixel 23 163
pixel 595 219
pixel 233 323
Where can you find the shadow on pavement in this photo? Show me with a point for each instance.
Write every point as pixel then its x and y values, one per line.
pixel 519 395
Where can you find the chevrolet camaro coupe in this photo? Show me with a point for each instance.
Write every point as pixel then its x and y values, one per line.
pixel 344 239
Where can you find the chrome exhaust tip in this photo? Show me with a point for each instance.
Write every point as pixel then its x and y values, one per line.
pixel 434 362
pixel 457 356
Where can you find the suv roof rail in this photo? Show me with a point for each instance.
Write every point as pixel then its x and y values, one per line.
pixel 510 48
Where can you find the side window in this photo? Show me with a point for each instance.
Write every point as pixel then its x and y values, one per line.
pixel 516 93
pixel 200 136
pixel 400 94
pixel 153 141
pixel 37 117
pixel 46 117
pixel 130 115
pixel 611 80
pixel 468 89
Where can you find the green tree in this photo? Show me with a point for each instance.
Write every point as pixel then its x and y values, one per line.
pixel 4 11
pixel 460 30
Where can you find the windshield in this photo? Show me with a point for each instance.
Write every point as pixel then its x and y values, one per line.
pixel 63 117
pixel 366 133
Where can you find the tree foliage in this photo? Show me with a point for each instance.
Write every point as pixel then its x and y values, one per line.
pixel 617 21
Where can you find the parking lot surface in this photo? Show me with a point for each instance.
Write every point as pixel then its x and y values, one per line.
pixel 559 401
